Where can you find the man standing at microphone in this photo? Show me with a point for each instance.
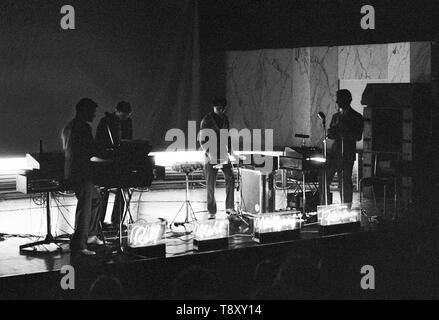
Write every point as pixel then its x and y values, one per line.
pixel 346 129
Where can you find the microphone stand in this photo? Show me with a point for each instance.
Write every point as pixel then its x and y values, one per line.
pixel 325 181
pixel 342 169
pixel 239 189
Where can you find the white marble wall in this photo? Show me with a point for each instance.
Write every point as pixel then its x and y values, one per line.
pixel 324 84
pixel 362 62
pixel 261 94
pixel 301 96
pixel 284 89
pixel 398 62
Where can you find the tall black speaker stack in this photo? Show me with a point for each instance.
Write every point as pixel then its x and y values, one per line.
pixel 399 130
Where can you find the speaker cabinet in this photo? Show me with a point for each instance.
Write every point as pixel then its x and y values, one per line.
pixel 398 140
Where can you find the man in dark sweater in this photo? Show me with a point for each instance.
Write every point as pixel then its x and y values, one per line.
pixel 217 157
pixel 346 129
pixel 112 129
pixel 79 147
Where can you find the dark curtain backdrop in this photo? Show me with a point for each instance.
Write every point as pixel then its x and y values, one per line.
pixel 271 24
pixel 144 52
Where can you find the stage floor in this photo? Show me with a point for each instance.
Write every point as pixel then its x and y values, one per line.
pixel 24 220
pixel 21 275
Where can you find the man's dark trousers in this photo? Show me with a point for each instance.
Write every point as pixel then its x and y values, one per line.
pixel 344 173
pixel 211 173
pixel 86 221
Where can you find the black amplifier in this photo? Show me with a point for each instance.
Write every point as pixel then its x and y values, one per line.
pixel 46 174
pixel 35 183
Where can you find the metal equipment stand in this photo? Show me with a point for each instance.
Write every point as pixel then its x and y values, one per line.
pixel 190 214
pixel 49 238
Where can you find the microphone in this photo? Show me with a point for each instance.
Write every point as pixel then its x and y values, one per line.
pixel 321 115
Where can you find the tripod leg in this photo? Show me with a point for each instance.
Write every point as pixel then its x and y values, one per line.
pixel 127 205
pixel 123 216
pixel 192 212
pixel 304 193
pixel 179 210
pixel 126 195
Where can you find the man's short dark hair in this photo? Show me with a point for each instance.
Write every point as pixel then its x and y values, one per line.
pixel 219 101
pixel 85 104
pixel 124 107
pixel 344 94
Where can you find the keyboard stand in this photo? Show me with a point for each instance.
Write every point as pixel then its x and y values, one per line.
pixel 49 238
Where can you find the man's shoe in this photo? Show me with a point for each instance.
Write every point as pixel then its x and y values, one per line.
pixel 87 252
pixel 231 211
pixel 95 240
pixel 211 216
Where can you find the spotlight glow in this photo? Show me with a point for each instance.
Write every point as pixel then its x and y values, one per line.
pixel 211 229
pixel 263 153
pixel 142 234
pixel 275 222
pixel 317 159
pixel 337 214
pixel 13 165
pixel 168 159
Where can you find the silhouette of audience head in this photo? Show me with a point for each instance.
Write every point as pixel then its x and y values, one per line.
pixel 195 283
pixel 263 277
pixel 297 278
pixel 106 288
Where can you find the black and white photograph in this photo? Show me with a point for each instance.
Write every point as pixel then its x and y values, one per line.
pixel 219 154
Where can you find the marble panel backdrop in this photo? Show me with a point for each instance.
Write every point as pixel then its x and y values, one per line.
pixel 262 92
pixel 363 62
pixel 300 122
pixel 323 85
pixel 398 62
pixel 284 89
